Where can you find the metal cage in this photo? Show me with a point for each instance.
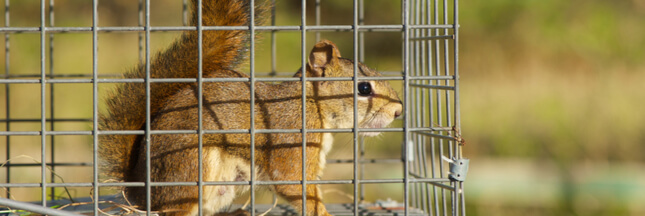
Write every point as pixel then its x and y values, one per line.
pixel 430 168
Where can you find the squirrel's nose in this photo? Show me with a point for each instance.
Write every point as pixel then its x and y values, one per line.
pixel 398 111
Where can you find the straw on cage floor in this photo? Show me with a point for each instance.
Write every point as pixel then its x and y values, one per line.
pixel 114 205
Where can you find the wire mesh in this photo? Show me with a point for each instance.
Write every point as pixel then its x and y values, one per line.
pixel 430 127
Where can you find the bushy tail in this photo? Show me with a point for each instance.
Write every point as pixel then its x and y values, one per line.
pixel 221 50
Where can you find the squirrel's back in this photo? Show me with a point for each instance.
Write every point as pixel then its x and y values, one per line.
pixel 126 106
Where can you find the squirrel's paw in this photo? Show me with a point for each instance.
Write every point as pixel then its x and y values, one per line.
pixel 238 212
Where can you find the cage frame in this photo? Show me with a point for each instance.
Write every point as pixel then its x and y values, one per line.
pixel 422 39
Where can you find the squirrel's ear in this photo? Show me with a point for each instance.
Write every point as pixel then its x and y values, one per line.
pixel 323 53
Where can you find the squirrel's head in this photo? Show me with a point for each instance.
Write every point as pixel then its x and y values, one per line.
pixel 378 104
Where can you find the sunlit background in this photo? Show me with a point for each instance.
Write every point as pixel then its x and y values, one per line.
pixel 552 93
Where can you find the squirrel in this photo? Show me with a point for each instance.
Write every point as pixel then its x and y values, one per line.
pixel 226 106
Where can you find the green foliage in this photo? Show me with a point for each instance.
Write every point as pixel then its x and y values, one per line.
pixel 598 34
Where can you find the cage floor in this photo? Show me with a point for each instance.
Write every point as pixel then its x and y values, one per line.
pixel 111 205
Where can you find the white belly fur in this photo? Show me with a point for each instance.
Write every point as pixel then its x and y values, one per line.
pixel 327 142
pixel 224 167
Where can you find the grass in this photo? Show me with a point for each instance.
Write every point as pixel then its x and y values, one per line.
pixel 545 115
pixel 566 122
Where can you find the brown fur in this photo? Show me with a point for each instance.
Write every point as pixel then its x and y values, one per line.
pixel 221 50
pixel 278 156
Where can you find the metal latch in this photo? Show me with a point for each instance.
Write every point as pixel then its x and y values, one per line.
pixel 458 168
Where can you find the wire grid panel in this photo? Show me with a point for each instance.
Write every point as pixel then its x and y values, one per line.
pixel 433 53
pixel 430 92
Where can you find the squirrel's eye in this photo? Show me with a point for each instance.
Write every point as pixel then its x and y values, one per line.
pixel 364 89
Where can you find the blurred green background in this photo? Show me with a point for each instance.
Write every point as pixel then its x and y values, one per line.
pixel 552 92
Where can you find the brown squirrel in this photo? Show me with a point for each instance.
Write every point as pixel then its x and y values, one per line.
pixel 226 105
